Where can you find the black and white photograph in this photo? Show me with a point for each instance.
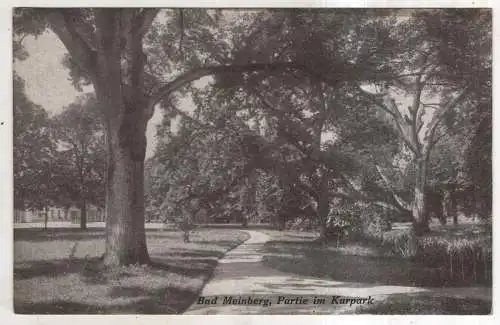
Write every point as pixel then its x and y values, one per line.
pixel 252 161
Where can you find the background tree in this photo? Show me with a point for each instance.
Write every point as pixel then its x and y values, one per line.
pixel 478 170
pixel 434 96
pixel 33 152
pixel 81 156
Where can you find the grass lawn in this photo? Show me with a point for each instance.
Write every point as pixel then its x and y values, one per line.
pixel 354 263
pixel 428 305
pixel 299 253
pixel 57 271
pixel 296 252
pixel 291 235
pixel 350 263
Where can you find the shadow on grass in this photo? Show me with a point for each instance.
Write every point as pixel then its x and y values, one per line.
pixel 163 300
pixel 154 301
pixel 166 300
pixel 404 304
pixel 75 234
pixel 55 268
pixel 224 243
pixel 72 234
pixel 57 308
pixel 191 268
pixel 313 260
pixel 194 253
pixel 109 286
pixel 151 235
pixel 189 263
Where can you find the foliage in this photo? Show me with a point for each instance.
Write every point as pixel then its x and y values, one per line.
pixel 478 168
pixel 288 111
pixel 370 223
pixel 80 158
pixel 34 150
pixel 401 243
pixel 436 83
pixel 304 106
pixel 198 171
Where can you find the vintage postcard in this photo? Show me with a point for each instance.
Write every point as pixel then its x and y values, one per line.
pixel 263 161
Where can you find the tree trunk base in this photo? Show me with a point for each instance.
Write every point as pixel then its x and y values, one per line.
pixel 115 261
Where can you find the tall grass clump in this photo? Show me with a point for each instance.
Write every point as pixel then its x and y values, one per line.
pixel 456 260
pixel 460 260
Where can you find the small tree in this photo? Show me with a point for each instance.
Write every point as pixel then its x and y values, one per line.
pixel 81 155
pixel 33 152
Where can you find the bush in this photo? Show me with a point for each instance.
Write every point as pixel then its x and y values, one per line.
pixel 373 223
pixel 377 227
pixel 302 224
pixel 402 243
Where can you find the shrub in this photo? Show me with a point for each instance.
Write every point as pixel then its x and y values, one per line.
pixel 402 243
pixel 377 227
pixel 373 223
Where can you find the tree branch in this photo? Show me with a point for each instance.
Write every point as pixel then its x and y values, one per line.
pixel 375 99
pixel 439 116
pixel 394 113
pixel 144 19
pixel 358 196
pixel 79 28
pixel 192 119
pixel 197 73
pixel 201 72
pixel 402 204
pixel 415 110
pixel 76 46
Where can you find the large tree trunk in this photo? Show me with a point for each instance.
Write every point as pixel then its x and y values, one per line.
pixel 19 210
pixel 420 217
pixel 126 238
pixel 119 89
pixel 46 218
pixel 447 207
pixel 323 208
pixel 126 150
pixel 322 232
pixel 83 214
pixel 279 221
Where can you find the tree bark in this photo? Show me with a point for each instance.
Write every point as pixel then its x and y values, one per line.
pixel 420 217
pixel 83 214
pixel 455 219
pixel 118 82
pixel 126 238
pixel 323 208
pixel 46 218
pixel 322 232
pixel 447 211
pixel 280 221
